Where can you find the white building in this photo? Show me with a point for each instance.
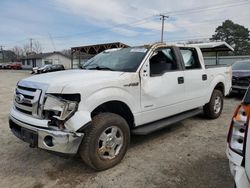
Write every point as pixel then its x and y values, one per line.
pixel 37 60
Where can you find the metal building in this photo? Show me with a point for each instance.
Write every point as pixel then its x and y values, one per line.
pixel 79 55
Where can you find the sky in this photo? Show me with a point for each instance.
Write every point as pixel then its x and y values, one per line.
pixel 62 24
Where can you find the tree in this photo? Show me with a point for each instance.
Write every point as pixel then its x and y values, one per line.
pixel 66 52
pixel 234 34
pixel 37 48
pixel 26 49
pixel 18 51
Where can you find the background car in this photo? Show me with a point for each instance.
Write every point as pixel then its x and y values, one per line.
pixel 241 76
pixel 16 65
pixel 34 70
pixel 6 66
pixel 47 68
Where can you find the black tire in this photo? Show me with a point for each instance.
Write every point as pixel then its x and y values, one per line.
pixel 90 145
pixel 209 110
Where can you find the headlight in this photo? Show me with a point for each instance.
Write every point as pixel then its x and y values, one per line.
pixel 62 108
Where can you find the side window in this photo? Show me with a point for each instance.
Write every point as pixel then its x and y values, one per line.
pixel 190 58
pixel 47 62
pixel 162 61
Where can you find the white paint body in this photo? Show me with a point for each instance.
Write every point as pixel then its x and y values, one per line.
pixel 154 98
pixel 148 98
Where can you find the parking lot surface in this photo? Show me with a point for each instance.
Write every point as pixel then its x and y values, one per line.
pixel 188 154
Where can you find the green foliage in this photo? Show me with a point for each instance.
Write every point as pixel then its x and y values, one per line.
pixel 234 34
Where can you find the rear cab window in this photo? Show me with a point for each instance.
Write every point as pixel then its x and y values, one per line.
pixel 190 58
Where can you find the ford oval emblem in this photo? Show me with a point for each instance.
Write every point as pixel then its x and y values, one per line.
pixel 19 98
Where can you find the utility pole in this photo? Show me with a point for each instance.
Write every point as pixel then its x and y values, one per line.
pixel 162 18
pixel 2 52
pixel 31 44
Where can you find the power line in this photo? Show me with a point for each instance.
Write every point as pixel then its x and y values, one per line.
pixel 143 20
pixel 172 13
pixel 205 8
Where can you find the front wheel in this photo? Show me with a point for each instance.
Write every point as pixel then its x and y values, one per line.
pixel 214 108
pixel 105 142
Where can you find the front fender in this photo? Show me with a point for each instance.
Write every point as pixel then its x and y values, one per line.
pixel 114 94
pixel 78 120
pixel 83 115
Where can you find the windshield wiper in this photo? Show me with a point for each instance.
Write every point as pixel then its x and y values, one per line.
pixel 99 68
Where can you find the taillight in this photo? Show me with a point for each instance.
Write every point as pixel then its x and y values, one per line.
pixel 238 129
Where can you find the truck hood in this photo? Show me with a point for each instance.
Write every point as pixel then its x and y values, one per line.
pixel 241 73
pixel 56 81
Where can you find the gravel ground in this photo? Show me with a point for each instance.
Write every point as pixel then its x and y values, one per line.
pixel 188 154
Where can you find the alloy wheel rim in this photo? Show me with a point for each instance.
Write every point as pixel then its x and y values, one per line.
pixel 217 104
pixel 110 142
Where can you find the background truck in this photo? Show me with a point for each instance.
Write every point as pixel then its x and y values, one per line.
pixel 121 91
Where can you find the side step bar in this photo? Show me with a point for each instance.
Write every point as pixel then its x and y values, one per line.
pixel 157 125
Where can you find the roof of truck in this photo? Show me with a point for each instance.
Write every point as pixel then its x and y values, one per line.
pixel 214 46
pixel 205 47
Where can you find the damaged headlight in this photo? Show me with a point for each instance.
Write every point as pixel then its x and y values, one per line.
pixel 62 108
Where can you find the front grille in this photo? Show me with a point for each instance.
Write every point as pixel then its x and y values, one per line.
pixel 27 100
pixel 240 81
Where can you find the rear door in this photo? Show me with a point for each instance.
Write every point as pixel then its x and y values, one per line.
pixel 196 78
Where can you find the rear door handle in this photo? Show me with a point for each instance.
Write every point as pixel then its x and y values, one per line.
pixel 204 77
pixel 180 80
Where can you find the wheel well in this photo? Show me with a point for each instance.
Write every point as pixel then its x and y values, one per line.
pixel 220 86
pixel 116 107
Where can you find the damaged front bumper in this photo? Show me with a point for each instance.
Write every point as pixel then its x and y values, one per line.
pixel 46 138
pixel 239 88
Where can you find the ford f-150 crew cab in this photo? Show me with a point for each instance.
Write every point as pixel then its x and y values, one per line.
pixel 120 91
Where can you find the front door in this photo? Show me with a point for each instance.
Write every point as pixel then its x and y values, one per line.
pixel 162 85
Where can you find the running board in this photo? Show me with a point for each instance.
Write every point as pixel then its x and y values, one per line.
pixel 157 125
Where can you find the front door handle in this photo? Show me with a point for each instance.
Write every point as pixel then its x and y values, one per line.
pixel 180 80
pixel 204 77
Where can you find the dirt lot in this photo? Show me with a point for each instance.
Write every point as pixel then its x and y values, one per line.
pixel 189 154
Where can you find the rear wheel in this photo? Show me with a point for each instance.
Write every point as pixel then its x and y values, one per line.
pixel 105 142
pixel 214 108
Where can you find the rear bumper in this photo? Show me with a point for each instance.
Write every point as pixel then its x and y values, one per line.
pixel 48 139
pixel 238 172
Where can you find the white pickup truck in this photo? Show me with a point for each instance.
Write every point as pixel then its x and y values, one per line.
pixel 121 91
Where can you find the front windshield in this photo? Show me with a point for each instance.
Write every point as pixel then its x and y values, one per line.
pixel 125 59
pixel 242 65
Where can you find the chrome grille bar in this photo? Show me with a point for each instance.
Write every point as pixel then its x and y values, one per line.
pixel 29 98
